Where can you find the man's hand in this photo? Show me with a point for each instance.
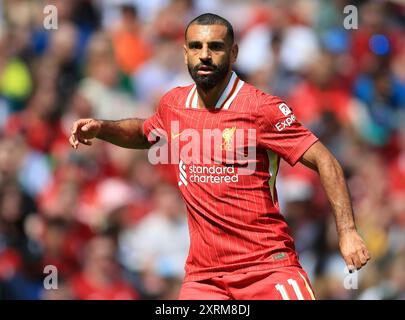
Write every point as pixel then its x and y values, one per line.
pixel 83 131
pixel 353 250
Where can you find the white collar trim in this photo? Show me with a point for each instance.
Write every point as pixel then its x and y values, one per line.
pixel 226 99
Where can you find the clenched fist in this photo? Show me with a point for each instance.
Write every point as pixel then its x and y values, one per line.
pixel 353 250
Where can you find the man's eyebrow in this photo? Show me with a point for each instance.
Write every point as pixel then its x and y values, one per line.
pixel 194 42
pixel 217 42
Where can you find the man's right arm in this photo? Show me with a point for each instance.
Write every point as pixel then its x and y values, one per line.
pixel 126 133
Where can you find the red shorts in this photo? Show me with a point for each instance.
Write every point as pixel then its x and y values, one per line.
pixel 285 283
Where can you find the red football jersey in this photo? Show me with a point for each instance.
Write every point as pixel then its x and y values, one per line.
pixel 226 159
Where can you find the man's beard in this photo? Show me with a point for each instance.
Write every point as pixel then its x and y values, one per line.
pixel 209 81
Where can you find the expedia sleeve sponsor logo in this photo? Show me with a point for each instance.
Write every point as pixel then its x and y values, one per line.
pixel 287 122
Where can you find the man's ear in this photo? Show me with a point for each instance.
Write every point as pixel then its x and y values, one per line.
pixel 234 52
pixel 185 50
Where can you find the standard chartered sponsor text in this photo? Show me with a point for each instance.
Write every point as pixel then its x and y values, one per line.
pixel 212 174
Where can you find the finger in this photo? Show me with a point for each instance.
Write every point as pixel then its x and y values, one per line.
pixel 75 126
pixel 362 256
pixel 72 141
pixel 73 134
pixel 366 254
pixel 349 263
pixel 356 261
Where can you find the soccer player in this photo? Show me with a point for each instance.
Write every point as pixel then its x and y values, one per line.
pixel 240 245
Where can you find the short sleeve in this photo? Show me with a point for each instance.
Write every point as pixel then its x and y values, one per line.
pixel 281 132
pixel 154 126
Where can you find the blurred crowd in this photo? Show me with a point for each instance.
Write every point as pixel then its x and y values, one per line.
pixel 115 226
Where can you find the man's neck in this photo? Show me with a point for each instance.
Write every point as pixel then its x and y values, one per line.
pixel 208 98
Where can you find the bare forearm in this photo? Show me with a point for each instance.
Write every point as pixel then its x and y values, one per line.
pixel 126 133
pixel 333 181
pixel 319 158
pixel 352 246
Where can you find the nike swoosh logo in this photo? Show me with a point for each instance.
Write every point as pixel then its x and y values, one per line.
pixel 174 136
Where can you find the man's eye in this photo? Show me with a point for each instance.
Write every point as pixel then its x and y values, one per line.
pixel 194 46
pixel 216 46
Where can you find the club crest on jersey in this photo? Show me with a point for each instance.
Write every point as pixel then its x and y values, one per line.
pixel 284 109
pixel 227 136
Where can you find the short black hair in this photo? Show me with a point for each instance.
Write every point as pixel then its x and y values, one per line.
pixel 210 19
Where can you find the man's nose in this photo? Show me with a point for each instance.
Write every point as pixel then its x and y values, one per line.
pixel 205 54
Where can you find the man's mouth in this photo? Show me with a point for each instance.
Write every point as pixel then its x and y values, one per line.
pixel 204 70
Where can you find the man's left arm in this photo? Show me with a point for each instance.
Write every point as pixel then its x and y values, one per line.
pixel 352 246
